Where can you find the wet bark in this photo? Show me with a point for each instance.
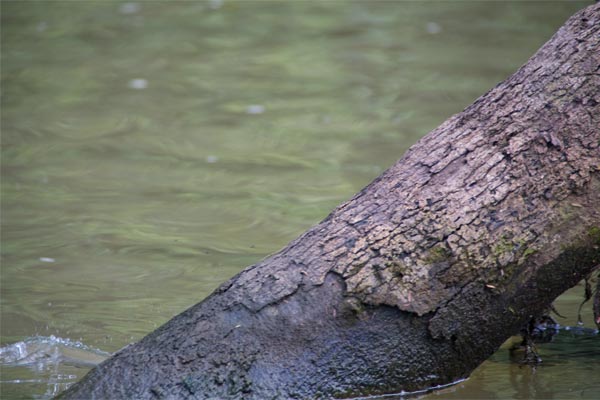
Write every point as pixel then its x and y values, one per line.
pixel 423 274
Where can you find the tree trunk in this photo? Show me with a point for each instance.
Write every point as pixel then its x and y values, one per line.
pixel 423 274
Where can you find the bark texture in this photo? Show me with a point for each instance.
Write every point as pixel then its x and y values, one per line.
pixel 422 275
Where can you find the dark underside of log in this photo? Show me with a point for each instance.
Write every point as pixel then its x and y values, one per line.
pixel 422 275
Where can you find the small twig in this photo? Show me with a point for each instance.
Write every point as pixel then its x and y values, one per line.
pixel 586 297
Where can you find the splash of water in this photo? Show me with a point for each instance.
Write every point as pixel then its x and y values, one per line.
pixel 46 357
pixel 40 352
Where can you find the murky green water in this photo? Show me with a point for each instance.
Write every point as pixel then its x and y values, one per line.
pixel 152 150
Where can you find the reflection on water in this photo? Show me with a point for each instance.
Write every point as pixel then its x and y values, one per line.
pixel 151 150
pixel 47 365
pixel 569 370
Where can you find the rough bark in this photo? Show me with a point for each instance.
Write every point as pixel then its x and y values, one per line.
pixel 422 275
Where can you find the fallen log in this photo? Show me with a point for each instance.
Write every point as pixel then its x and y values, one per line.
pixel 419 277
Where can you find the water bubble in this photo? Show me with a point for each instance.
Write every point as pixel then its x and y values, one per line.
pixel 212 159
pixel 255 109
pixel 138 84
pixel 129 8
pixel 42 26
pixel 433 28
pixel 215 4
pixel 47 259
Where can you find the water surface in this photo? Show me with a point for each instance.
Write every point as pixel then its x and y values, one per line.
pixel 152 150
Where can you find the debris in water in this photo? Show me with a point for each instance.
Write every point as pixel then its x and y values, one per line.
pixel 47 259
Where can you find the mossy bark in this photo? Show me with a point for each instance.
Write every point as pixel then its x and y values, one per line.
pixel 422 275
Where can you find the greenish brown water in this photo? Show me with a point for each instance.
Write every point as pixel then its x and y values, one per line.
pixel 152 150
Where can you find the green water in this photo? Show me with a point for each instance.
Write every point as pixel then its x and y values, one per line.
pixel 152 150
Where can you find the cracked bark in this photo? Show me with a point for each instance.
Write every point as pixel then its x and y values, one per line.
pixel 479 227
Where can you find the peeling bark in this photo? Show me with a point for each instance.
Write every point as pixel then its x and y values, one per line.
pixel 479 227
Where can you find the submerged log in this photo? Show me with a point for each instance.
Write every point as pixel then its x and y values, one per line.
pixel 423 274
